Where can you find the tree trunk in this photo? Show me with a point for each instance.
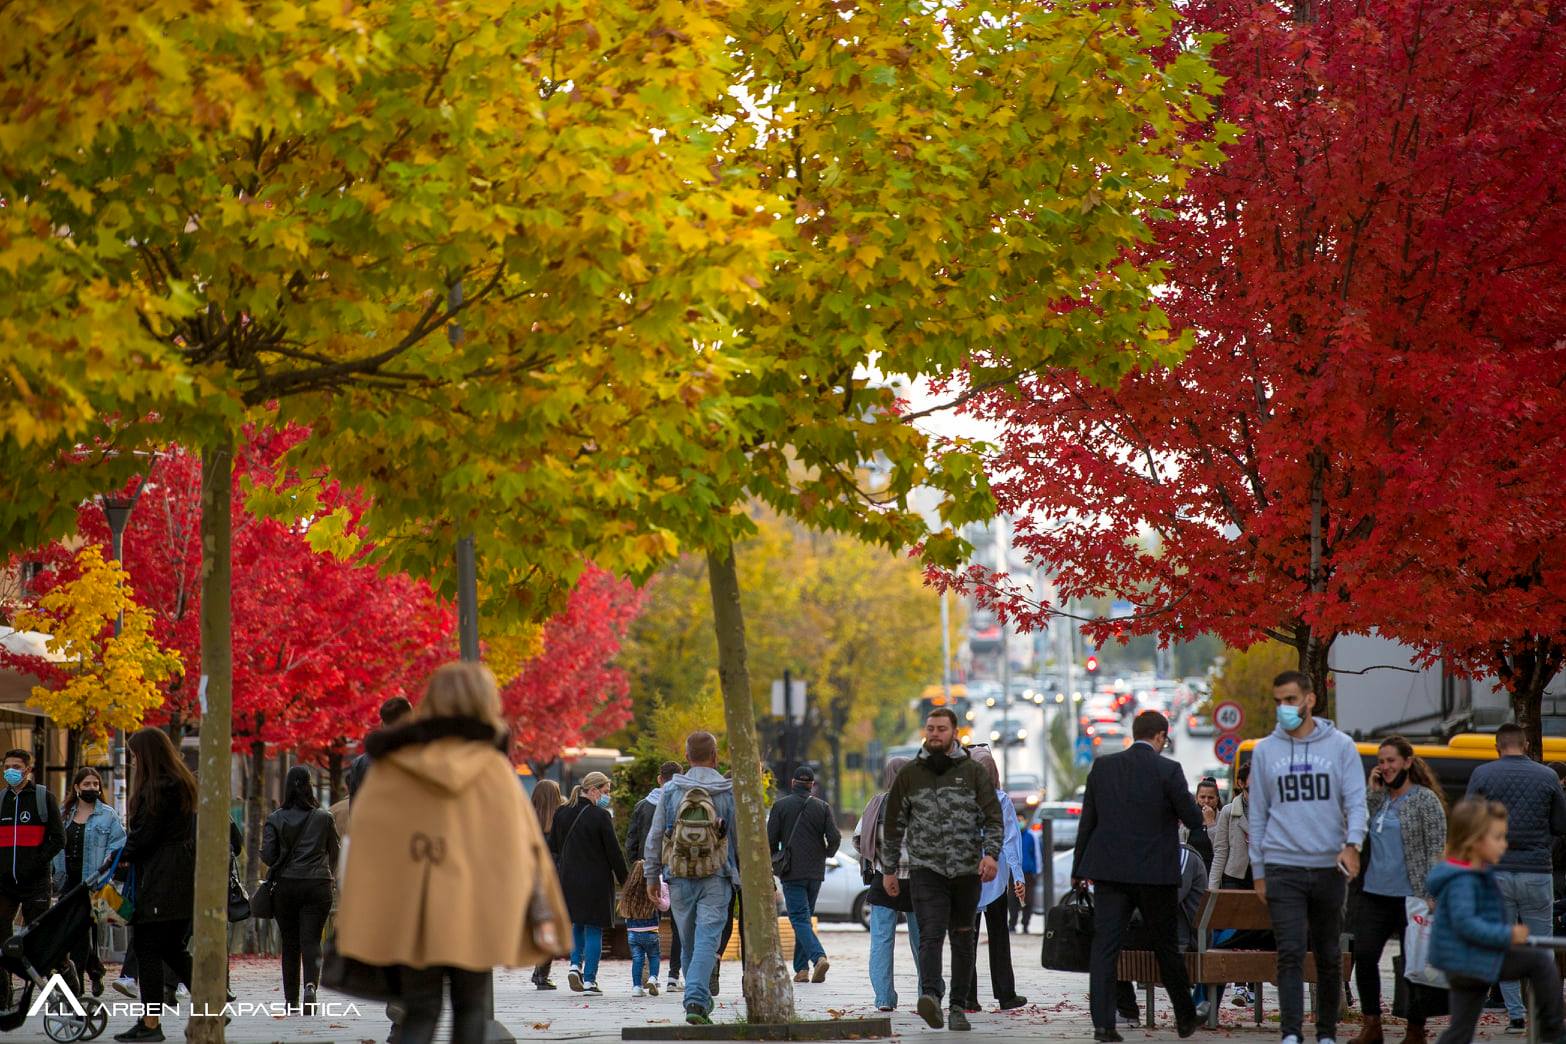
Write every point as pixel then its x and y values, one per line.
pixel 334 777
pixel 1526 665
pixel 1313 650
pixel 217 665
pixel 769 988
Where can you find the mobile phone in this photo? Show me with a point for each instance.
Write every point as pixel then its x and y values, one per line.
pixel 1344 870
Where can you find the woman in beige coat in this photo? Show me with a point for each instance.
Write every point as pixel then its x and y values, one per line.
pixel 447 873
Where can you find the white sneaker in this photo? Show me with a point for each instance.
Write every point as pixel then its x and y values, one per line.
pixel 652 987
pixel 591 989
pixel 639 992
pixel 674 985
pixel 574 978
pixel 1290 1039
pixel 126 985
pixel 1325 1040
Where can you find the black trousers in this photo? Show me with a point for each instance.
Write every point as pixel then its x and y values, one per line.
pixel 302 908
pixel 674 950
pixel 945 904
pixel 1113 903
pixel 160 943
pixel 1306 905
pixel 421 999
pixel 1378 918
pixel 30 908
pixel 1002 979
pixel 736 915
pixel 1467 995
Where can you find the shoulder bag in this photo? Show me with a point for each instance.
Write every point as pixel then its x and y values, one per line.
pixel 783 862
pixel 261 904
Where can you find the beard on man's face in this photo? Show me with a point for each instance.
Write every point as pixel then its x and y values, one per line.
pixel 937 746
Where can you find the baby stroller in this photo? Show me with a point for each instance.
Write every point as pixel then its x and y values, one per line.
pixel 39 951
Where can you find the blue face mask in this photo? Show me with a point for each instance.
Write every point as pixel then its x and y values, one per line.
pixel 1289 717
pixel 603 800
pixel 13 776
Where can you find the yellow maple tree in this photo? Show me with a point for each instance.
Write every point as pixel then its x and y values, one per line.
pixel 113 680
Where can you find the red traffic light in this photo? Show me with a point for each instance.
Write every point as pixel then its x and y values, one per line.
pixel 1092 664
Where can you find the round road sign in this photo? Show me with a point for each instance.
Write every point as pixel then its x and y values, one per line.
pixel 1225 747
pixel 1228 716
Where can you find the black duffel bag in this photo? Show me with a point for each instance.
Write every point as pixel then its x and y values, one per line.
pixel 1068 932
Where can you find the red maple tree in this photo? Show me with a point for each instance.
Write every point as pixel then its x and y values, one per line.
pixel 572 692
pixel 1375 282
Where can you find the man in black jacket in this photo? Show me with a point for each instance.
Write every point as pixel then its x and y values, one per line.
pixel 801 834
pixel 642 817
pixel 1128 845
pixel 394 711
pixel 30 834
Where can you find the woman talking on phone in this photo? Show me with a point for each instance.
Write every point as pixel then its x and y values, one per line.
pixel 1404 839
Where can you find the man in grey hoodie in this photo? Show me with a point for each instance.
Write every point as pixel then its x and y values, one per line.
pixel 1307 800
pixel 699 906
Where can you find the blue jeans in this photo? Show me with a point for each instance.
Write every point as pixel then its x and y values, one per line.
pixel 644 950
pixel 883 943
pixel 587 945
pixel 700 907
pixel 800 899
pixel 1528 898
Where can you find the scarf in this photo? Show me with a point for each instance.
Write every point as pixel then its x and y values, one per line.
pixel 870 831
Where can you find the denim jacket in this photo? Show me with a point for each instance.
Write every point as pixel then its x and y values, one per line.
pixel 105 835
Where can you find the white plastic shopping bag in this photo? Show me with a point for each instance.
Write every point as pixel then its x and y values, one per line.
pixel 1416 945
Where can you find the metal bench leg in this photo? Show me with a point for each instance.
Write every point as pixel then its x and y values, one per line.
pixel 1256 989
pixel 1212 1005
pixel 1315 1011
pixel 1150 1022
pixel 1531 1008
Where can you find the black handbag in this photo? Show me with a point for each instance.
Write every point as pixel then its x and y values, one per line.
pixel 1068 932
pixel 238 898
pixel 261 904
pixel 356 978
pixel 783 862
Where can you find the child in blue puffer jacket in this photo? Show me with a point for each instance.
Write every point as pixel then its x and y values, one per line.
pixel 1471 940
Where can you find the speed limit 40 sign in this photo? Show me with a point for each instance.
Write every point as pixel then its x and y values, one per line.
pixel 1228 716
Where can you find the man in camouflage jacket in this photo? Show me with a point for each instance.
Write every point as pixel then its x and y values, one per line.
pixel 943 805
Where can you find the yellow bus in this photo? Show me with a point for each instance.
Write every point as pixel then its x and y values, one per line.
pixel 1452 762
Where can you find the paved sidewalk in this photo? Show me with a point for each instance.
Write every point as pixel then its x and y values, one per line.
pixel 1057 1008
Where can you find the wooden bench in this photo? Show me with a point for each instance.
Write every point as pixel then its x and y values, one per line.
pixel 1223 909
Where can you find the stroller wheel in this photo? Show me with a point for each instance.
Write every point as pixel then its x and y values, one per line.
pixel 64 1027
pixel 97 1018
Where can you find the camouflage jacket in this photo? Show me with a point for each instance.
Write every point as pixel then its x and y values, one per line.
pixel 948 820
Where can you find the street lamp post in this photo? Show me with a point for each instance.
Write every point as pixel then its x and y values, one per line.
pixel 117 513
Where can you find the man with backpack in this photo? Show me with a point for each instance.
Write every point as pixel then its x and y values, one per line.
pixel 31 832
pixel 690 839
pixel 802 833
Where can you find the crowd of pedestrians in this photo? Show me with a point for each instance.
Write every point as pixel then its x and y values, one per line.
pixel 446 855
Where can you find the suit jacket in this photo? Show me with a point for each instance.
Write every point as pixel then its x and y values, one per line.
pixel 1131 816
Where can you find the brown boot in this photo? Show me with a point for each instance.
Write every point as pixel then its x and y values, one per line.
pixel 1415 1034
pixel 1369 1031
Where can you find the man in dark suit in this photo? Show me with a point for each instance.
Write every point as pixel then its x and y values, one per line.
pixel 1128 845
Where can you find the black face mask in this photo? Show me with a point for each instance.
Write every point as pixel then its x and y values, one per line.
pixel 89 796
pixel 1397 781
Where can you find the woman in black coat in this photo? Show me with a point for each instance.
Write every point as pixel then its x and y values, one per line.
pixel 160 848
pixel 590 865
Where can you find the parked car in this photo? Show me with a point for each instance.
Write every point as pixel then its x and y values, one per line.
pixel 1200 725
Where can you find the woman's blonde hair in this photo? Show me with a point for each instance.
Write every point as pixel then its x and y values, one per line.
pixel 1471 819
pixel 463 690
pixel 589 781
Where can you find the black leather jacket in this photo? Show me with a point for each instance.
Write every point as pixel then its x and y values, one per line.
pixel 306 838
